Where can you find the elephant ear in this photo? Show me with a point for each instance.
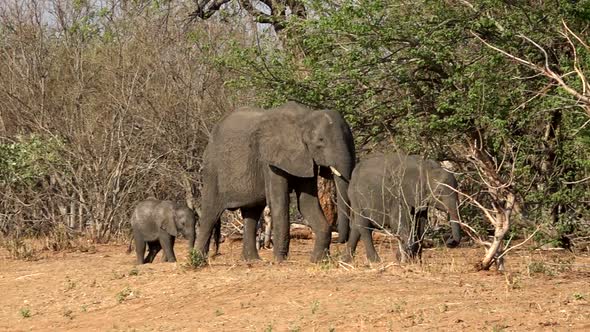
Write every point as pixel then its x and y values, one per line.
pixel 169 224
pixel 280 144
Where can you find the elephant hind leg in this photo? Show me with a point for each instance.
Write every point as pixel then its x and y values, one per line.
pixel 139 247
pixel 367 237
pixel 251 216
pixel 410 243
pixel 154 249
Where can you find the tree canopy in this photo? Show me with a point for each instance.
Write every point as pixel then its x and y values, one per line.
pixel 429 77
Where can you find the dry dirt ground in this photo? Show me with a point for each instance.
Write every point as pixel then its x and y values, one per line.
pixel 103 290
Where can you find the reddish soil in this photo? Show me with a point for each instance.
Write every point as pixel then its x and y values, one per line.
pixel 105 291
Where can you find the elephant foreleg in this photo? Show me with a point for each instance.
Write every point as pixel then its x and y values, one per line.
pixel 251 216
pixel 212 211
pixel 167 243
pixel 309 207
pixel 406 222
pixel 165 258
pixel 278 196
pixel 366 233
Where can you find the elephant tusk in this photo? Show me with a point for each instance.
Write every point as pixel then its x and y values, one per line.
pixel 335 171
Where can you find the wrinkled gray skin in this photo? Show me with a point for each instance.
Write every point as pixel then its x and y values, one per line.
pixel 394 191
pixel 256 157
pixel 157 223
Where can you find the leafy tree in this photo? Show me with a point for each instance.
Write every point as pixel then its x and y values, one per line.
pixel 27 160
pixel 416 75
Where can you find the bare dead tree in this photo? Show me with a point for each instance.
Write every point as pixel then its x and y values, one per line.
pixel 500 194
pixel 126 117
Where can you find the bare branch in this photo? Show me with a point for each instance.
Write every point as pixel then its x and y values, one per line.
pixel 575 35
pixel 520 244
pixel 578 181
pixel 544 70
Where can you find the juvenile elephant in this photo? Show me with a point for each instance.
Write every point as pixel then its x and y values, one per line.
pixel 257 157
pixel 157 223
pixel 394 191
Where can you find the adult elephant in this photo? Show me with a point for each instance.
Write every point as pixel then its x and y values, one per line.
pixel 156 223
pixel 395 191
pixel 256 157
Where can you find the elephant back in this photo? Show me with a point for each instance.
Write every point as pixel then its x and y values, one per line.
pixel 230 157
pixel 149 215
pixel 372 191
pixel 382 181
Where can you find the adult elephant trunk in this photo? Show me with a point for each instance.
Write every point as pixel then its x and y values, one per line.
pixel 455 228
pixel 343 209
pixel 449 203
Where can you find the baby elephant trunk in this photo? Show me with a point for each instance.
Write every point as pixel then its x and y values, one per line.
pixel 191 240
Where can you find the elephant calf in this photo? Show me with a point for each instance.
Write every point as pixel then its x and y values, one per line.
pixel 394 191
pixel 157 223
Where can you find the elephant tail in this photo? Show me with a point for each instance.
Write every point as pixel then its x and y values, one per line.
pixel 217 236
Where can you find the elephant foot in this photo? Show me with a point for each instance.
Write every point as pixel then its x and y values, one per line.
pixel 318 256
pixel 281 257
pixel 280 252
pixel 346 258
pixel 321 248
pixel 374 259
pixel 250 256
pixel 451 243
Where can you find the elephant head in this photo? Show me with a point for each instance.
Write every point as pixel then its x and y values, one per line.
pixel 444 185
pixel 330 142
pixel 426 182
pixel 182 221
pixel 298 140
